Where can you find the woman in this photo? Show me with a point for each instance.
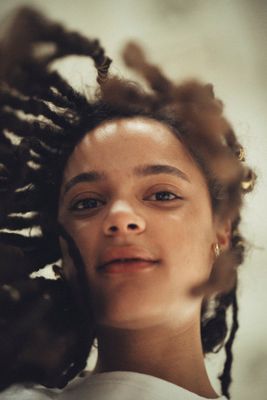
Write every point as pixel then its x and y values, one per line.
pixel 139 193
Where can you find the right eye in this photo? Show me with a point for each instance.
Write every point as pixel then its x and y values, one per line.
pixel 86 204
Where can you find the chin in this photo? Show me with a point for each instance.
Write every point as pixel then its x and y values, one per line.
pixel 130 318
pixel 130 324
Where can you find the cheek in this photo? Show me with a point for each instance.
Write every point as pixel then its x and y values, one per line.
pixel 85 236
pixel 186 240
pixel 86 240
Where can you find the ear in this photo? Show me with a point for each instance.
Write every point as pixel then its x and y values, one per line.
pixel 68 268
pixel 223 233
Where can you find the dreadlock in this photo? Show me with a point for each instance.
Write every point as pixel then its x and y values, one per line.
pixel 42 118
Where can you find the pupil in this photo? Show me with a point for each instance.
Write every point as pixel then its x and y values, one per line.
pixel 163 195
pixel 91 203
pixel 88 203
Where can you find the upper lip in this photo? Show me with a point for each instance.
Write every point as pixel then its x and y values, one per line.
pixel 125 253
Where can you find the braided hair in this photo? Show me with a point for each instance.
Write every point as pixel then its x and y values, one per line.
pixel 42 118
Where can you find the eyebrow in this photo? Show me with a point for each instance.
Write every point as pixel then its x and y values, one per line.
pixel 143 170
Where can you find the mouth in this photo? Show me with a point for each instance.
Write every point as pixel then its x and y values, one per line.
pixel 129 265
pixel 126 259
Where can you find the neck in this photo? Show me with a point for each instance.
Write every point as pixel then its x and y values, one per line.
pixel 159 351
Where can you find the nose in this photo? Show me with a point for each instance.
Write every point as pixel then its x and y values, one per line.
pixel 123 220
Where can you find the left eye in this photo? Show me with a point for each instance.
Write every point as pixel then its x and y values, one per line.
pixel 86 204
pixel 164 196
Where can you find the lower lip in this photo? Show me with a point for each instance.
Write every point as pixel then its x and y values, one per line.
pixel 128 267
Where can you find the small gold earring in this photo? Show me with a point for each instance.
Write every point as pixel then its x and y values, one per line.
pixel 217 250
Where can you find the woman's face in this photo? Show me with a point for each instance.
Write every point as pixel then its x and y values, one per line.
pixel 139 211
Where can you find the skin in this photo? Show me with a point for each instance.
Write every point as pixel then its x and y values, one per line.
pixel 147 322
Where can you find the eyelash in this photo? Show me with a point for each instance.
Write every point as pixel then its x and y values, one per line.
pixel 166 191
pixel 75 206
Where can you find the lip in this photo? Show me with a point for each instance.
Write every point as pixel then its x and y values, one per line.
pixel 126 259
pixel 128 267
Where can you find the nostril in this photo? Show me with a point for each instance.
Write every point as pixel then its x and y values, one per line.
pixel 132 226
pixel 113 228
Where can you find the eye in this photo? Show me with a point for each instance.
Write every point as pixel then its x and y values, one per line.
pixel 86 204
pixel 164 196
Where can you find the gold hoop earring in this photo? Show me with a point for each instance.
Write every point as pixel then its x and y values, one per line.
pixel 217 250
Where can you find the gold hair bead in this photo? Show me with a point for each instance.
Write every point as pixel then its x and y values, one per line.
pixel 235 232
pixel 249 182
pixel 240 243
pixel 241 154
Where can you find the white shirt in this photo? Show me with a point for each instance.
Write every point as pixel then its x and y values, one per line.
pixel 117 385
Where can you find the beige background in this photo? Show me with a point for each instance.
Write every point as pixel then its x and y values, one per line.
pixel 223 42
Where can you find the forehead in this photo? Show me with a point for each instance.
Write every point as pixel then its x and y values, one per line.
pixel 126 133
pixel 127 128
pixel 125 143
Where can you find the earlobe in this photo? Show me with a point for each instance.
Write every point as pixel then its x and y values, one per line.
pixel 223 234
pixel 68 270
pixel 217 250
